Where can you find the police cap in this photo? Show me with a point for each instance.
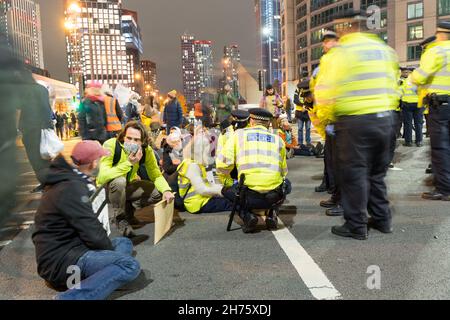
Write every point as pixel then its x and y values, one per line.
pixel 443 26
pixel 328 34
pixel 260 114
pixel 427 41
pixel 225 124
pixel 349 15
pixel 240 115
pixel 304 84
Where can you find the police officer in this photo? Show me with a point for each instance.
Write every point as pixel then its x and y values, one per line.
pixel 303 101
pixel 260 156
pixel 411 112
pixel 433 75
pixel 361 90
pixel 239 120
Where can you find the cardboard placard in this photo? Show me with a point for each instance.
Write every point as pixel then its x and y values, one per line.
pixel 163 219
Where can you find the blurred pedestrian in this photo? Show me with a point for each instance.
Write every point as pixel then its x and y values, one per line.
pixel 225 102
pixel 114 114
pixel 272 102
pixel 173 113
pixel 303 101
pixel 92 116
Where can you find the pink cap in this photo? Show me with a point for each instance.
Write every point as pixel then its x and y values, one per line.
pixel 86 152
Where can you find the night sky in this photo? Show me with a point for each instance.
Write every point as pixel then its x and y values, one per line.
pixel 162 23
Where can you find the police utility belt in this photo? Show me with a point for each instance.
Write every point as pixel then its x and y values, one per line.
pixel 435 100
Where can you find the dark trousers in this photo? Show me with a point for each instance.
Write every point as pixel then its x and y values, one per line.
pixel 394 134
pixel 398 123
pixel 254 200
pixel 217 204
pixel 32 142
pixel 412 113
pixel 330 166
pixel 8 175
pixel 440 147
pixel 363 157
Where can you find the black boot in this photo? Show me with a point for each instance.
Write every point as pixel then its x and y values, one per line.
pixel 272 220
pixel 250 223
pixel 321 188
pixel 344 231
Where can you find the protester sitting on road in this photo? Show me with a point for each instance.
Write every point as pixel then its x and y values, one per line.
pixel 285 132
pixel 173 153
pixel 200 196
pixel 130 161
pixel 69 238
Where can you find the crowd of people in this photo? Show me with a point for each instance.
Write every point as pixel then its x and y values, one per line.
pixel 357 100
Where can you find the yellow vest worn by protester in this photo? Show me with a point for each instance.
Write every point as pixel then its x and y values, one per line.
pixel 409 92
pixel 125 169
pixel 433 75
pixel 194 201
pixel 360 77
pixel 257 153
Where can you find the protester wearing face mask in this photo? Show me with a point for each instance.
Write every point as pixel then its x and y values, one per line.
pixel 131 161
pixel 68 233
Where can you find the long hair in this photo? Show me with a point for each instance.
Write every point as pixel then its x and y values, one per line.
pixel 137 126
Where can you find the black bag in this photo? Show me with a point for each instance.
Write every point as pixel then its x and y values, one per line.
pixel 306 151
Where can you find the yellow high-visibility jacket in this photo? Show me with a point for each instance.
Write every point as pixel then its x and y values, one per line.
pixel 257 153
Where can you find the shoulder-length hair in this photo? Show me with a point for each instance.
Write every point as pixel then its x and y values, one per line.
pixel 137 126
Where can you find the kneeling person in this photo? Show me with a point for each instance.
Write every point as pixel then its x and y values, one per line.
pixel 260 156
pixel 69 236
pixel 130 154
pixel 199 195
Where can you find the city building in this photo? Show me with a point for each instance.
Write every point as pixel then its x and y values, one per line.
pixel 134 47
pixel 148 72
pixel 96 48
pixel 205 66
pixel 268 18
pixel 230 63
pixel 20 22
pixel 402 24
pixel 188 63
pixel 288 67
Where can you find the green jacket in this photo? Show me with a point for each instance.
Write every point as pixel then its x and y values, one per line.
pixel 125 169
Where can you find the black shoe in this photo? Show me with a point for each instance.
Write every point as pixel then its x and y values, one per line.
pixel 391 166
pixel 321 188
pixel 134 222
pixel 435 195
pixel 419 144
pixel 328 203
pixel 250 223
pixel 344 231
pixel 407 144
pixel 272 222
pixel 429 171
pixel 383 228
pixel 335 212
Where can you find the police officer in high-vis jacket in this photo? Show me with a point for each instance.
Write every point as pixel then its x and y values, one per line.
pixel 361 90
pixel 260 156
pixel 433 76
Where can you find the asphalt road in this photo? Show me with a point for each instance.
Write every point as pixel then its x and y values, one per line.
pixel 200 260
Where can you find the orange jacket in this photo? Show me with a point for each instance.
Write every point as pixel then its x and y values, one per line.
pixel 198 110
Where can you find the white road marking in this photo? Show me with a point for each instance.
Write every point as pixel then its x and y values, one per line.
pixel 31 173
pixel 311 274
pixel 26 212
pixel 5 243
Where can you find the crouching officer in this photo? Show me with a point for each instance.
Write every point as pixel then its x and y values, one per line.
pixel 433 75
pixel 260 156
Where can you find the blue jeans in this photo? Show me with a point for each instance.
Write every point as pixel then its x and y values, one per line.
pixel 103 272
pixel 307 125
